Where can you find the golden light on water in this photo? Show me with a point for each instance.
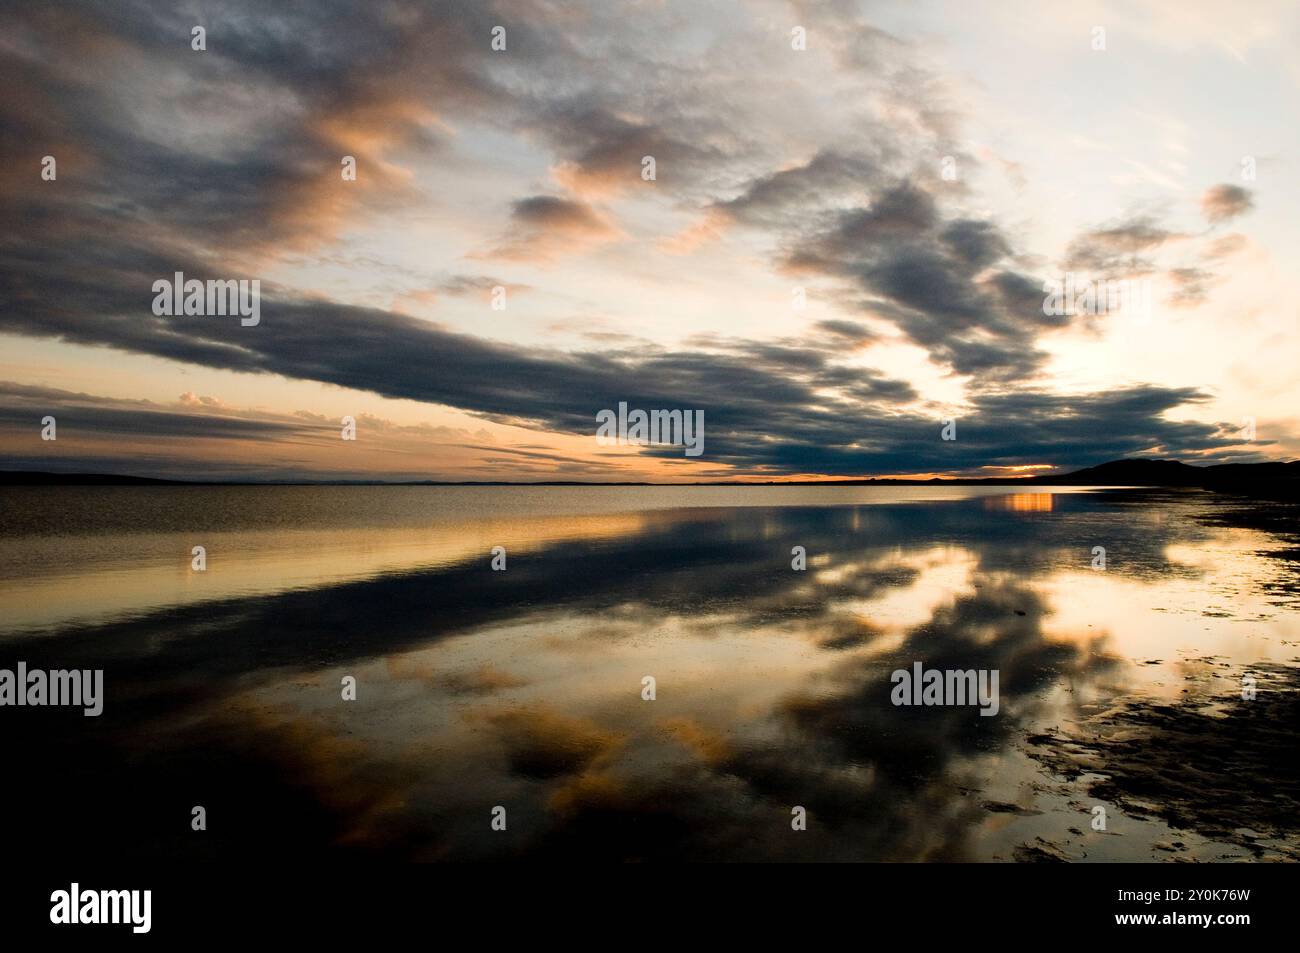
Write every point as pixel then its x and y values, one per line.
pixel 1022 503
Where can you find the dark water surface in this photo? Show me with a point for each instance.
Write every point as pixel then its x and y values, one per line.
pixel 1119 688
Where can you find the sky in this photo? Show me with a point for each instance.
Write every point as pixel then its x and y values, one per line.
pixel 843 251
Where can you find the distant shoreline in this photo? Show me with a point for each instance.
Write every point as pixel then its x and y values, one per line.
pixel 1274 480
pixel 36 478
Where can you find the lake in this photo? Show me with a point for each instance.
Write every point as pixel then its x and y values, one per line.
pixel 650 677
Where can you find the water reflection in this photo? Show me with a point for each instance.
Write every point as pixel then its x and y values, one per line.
pixel 524 688
pixel 1041 502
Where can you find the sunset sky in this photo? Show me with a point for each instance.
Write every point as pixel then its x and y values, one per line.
pixel 919 171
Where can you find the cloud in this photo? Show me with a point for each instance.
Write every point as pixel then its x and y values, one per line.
pixel 205 437
pixel 542 743
pixel 771 408
pixel 216 163
pixel 1222 203
pixel 1119 250
pixel 1191 286
pixel 849 331
pixel 604 152
pixel 546 226
pixel 1138 247
pixel 192 399
pixel 463 285
pixel 939 281
pixel 769 198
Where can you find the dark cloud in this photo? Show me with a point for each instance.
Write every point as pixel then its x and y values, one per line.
pixel 977 243
pixel 770 199
pixel 548 211
pixel 930 277
pixel 850 331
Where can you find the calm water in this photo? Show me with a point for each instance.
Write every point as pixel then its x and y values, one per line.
pixel 523 688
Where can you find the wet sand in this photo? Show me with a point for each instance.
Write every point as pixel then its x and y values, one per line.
pixel 1219 766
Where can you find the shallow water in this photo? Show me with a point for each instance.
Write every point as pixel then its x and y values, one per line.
pixel 523 689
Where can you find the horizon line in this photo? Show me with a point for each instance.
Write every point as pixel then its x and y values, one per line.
pixel 46 477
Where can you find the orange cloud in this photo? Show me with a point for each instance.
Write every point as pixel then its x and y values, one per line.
pixel 547 226
pixel 1221 203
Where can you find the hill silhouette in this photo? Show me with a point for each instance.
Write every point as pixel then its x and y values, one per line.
pixel 1272 480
